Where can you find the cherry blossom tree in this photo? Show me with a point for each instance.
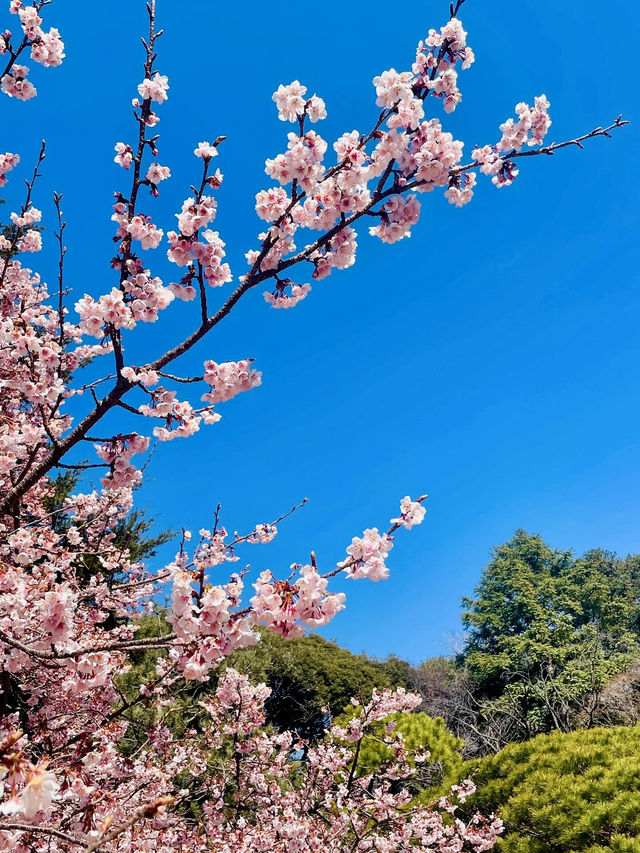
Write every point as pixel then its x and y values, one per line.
pixel 70 593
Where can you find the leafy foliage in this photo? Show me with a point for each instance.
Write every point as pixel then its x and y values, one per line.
pixel 547 631
pixel 419 731
pixel 567 793
pixel 312 680
pixel 135 534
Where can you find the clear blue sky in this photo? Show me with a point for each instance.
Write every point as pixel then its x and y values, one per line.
pixel 491 360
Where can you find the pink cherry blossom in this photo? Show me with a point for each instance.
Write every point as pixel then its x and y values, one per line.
pixel 262 534
pixel 398 215
pixel 30 21
pixel 179 417
pixel 27 217
pixel 287 608
pixel 48 50
pixel 7 163
pixel 460 190
pixel 124 155
pixel 157 173
pixel 145 377
pixel 228 379
pixel 206 151
pixel 272 203
pixel 141 228
pixel 393 86
pixel 280 299
pixel 15 84
pixel 367 555
pixel 196 214
pixel 154 89
pixel 31 241
pixel 316 109
pixel 529 129
pixel 411 513
pixel 290 101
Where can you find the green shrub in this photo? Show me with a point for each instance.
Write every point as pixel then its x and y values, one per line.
pixel 565 793
pixel 420 731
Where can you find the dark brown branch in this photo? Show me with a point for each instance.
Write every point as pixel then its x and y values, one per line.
pixel 252 278
pixel 121 645
pixel 548 149
pixel 41 830
pixel 149 810
pixel 18 231
pixel 62 250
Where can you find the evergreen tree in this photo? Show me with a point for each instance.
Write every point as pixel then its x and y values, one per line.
pixel 419 732
pixel 312 680
pixel 547 631
pixel 567 793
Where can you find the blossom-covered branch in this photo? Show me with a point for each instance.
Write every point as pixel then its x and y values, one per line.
pixel 46 48
pixel 401 153
pixel 73 594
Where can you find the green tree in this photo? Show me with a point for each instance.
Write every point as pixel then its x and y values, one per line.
pixel 419 731
pixel 564 793
pixel 312 680
pixel 547 630
pixel 136 534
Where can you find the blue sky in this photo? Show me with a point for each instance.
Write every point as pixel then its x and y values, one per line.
pixel 491 360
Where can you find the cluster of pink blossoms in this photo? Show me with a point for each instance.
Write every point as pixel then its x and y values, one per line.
pixel 7 163
pixel 138 227
pixel 280 299
pixel 289 608
pixel 382 704
pixel 185 247
pixel 30 239
pixel 367 555
pixel 205 616
pixel 179 416
pixel 207 629
pixel 72 593
pixel 262 534
pixel 30 242
pixel 154 89
pixel 181 419
pixel 15 84
pixel 46 48
pixel 334 806
pixel 292 104
pixel 409 153
pixel 229 378
pixel 398 216
pixel 117 454
pixel 140 299
pixel 530 129
pixel 411 513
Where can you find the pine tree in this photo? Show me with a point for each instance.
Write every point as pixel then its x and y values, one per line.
pixel 567 793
